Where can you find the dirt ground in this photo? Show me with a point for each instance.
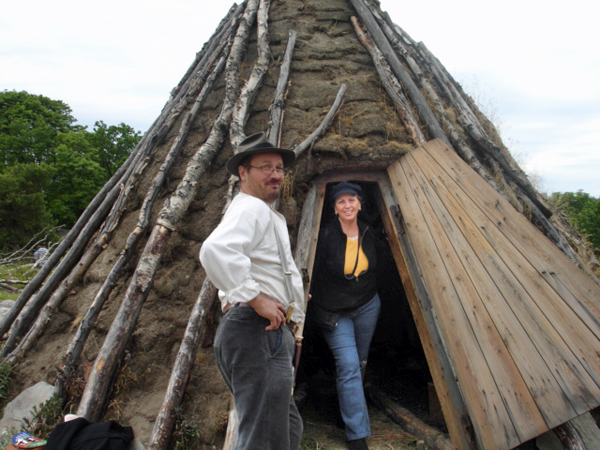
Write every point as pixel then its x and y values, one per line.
pixel 320 433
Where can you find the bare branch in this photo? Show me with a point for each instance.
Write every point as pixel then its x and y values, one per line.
pixel 335 107
pixel 281 90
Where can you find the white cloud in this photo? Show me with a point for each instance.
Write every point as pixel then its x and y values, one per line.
pixel 118 61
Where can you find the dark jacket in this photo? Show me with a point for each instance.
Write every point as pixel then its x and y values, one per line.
pixel 331 289
pixel 79 434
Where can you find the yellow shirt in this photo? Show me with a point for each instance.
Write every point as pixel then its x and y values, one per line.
pixel 363 262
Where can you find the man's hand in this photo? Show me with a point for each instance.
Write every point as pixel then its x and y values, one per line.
pixel 267 307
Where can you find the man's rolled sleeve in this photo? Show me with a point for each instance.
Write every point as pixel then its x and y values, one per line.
pixel 242 294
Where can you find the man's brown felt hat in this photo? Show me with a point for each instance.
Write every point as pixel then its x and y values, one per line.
pixel 257 143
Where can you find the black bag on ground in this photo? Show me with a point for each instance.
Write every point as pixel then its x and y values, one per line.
pixel 80 434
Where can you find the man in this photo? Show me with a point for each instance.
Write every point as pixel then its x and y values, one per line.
pixel 39 256
pixel 254 344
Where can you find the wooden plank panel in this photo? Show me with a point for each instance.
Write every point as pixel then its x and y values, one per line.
pixel 554 265
pixel 570 345
pixel 533 341
pixel 491 421
pixel 470 278
pixel 453 407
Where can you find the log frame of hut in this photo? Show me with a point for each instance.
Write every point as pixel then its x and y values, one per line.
pixel 506 316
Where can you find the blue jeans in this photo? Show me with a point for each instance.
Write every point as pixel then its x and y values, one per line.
pixel 350 342
pixel 257 366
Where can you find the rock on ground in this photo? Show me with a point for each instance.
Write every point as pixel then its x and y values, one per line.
pixel 21 407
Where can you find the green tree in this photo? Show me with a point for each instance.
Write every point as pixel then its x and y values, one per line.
pixel 583 211
pixel 77 177
pixel 38 131
pixel 29 125
pixel 23 211
pixel 114 144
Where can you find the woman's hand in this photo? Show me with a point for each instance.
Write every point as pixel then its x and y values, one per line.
pixel 267 307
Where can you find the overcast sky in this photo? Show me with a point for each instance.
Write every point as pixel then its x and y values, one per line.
pixel 535 66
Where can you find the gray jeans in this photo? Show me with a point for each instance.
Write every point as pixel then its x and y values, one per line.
pixel 257 366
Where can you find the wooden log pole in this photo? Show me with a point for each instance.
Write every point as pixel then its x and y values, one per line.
pixel 391 85
pixel 280 91
pixel 8 287
pixel 335 107
pixel 398 41
pixel 71 248
pixel 433 438
pixel 95 394
pixel 82 226
pixel 89 257
pixel 98 385
pixel 141 228
pixel 231 434
pixel 570 438
pixel 400 71
pixel 70 259
pixel 214 46
pixel 180 375
pixel 79 230
pixel 248 94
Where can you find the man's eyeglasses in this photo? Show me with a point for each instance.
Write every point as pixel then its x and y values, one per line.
pixel 268 170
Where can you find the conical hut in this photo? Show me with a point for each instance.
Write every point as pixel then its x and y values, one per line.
pixel 490 302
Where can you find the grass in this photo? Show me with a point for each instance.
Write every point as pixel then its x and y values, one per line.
pixel 22 272
pixel 43 418
pixel 8 295
pixel 6 438
pixel 187 432
pixel 5 379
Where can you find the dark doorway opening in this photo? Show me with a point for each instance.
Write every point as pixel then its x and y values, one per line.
pixel 397 363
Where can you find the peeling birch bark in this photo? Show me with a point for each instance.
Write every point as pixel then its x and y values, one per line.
pixel 95 394
pixel 424 112
pixel 391 85
pixel 104 369
pixel 78 342
pixel 83 230
pixel 248 94
pixel 81 226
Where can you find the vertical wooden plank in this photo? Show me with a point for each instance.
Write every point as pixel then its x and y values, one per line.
pixel 306 247
pixel 492 424
pixel 453 407
pixel 483 302
pixel 469 279
pixel 308 231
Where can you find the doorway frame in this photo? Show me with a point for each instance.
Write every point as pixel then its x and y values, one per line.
pixel 453 408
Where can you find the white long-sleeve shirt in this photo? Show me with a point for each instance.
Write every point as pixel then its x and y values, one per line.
pixel 242 259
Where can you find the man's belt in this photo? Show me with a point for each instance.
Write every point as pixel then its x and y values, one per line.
pixel 288 314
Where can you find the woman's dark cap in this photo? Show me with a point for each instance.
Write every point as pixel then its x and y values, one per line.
pixel 345 187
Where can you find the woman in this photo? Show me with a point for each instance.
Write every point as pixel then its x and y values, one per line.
pixel 346 304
